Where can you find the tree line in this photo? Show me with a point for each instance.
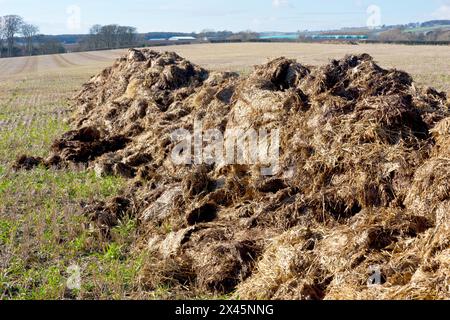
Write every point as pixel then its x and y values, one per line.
pixel 10 27
pixel 208 34
pixel 437 35
pixel 111 36
pixel 18 38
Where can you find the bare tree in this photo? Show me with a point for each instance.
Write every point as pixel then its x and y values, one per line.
pixel 2 34
pixel 126 36
pixel 12 27
pixel 109 35
pixel 94 41
pixel 29 32
pixel 244 36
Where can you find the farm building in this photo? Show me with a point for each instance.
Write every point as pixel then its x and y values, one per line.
pixel 338 37
pixel 181 38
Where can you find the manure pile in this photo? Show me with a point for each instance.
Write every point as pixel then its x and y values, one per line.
pixel 359 207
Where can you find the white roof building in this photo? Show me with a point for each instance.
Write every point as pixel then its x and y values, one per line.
pixel 181 38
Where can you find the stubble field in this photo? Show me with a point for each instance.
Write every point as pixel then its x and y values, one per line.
pixel 42 230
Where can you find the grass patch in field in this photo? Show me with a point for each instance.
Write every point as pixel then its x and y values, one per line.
pixel 43 232
pixel 34 139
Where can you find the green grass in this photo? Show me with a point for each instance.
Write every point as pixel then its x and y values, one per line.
pixel 44 234
pixel 33 140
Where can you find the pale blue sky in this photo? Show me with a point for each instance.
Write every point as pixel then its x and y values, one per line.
pixel 60 16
